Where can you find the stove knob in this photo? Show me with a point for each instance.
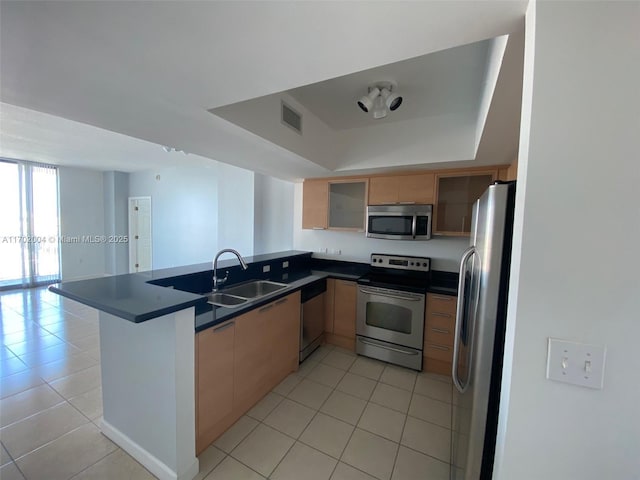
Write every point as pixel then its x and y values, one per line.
pixel 412 263
pixel 424 264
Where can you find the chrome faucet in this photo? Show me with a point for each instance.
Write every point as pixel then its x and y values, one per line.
pixel 219 281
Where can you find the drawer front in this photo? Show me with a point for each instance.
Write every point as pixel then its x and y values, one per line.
pixel 439 330
pixel 441 304
pixel 438 352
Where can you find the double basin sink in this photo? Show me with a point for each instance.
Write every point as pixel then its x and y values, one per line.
pixel 241 294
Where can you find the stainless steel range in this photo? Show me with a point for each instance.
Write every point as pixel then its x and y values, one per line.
pixel 390 309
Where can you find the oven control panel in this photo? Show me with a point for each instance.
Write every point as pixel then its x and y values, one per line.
pixel 418 264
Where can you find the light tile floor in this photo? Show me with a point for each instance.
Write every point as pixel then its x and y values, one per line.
pixel 340 417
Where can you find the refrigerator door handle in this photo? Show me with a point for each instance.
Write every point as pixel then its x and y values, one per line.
pixel 462 280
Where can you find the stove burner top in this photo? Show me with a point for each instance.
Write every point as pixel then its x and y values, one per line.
pixel 405 273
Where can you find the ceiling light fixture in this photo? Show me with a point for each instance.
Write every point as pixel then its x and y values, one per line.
pixel 380 100
pixel 173 149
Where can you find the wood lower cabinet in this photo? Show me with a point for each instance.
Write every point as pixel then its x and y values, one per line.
pixel 252 355
pixel 214 382
pixel 240 361
pixel 267 344
pixel 284 341
pixel 439 326
pixel 342 317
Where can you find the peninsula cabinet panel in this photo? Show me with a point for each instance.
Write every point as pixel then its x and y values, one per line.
pixel 315 204
pixel 402 189
pixel 266 349
pixel 214 383
pixel 252 352
pixel 285 336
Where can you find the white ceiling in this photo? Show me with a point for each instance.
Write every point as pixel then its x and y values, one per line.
pixel 150 70
pixel 440 83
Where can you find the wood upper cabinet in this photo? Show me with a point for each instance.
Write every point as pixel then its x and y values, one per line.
pixel 214 382
pixel 509 173
pixel 315 204
pixel 347 204
pixel 408 189
pixel 334 204
pixel 455 195
pixel 439 325
pixel 344 313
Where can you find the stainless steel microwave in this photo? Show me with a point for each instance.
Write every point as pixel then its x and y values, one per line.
pixel 399 222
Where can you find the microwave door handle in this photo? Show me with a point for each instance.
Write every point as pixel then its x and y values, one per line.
pixel 462 280
pixel 414 226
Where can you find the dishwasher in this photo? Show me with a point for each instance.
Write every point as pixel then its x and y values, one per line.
pixel 311 317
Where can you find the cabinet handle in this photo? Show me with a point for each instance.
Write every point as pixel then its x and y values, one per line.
pixel 445 298
pixel 407 203
pixel 440 330
pixel 224 327
pixel 438 314
pixel 318 228
pixel 268 307
pixel 439 347
pixel 282 300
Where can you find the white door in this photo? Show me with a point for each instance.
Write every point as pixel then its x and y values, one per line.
pixel 139 234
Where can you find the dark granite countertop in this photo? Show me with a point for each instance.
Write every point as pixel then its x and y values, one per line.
pixel 139 297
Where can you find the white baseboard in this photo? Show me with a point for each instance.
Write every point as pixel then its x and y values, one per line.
pixel 150 462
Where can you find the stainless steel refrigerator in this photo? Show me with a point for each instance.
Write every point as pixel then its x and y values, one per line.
pixel 479 334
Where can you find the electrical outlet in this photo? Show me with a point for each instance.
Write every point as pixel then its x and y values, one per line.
pixel 285 264
pixel 266 268
pixel 576 363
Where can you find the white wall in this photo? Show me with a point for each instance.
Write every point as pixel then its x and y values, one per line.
pixel 235 209
pixel 273 215
pixel 575 268
pixel 356 247
pixel 184 213
pixel 196 211
pixel 81 213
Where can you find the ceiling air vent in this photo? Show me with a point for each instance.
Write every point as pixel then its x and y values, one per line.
pixel 291 118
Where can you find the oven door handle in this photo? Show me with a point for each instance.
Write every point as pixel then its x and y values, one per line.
pixel 387 347
pixel 409 297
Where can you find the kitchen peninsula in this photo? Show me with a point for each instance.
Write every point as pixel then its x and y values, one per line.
pixel 147 343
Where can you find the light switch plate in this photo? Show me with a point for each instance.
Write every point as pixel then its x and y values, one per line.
pixel 576 363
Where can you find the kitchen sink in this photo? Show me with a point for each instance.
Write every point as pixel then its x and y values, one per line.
pixel 240 294
pixel 255 289
pixel 225 300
